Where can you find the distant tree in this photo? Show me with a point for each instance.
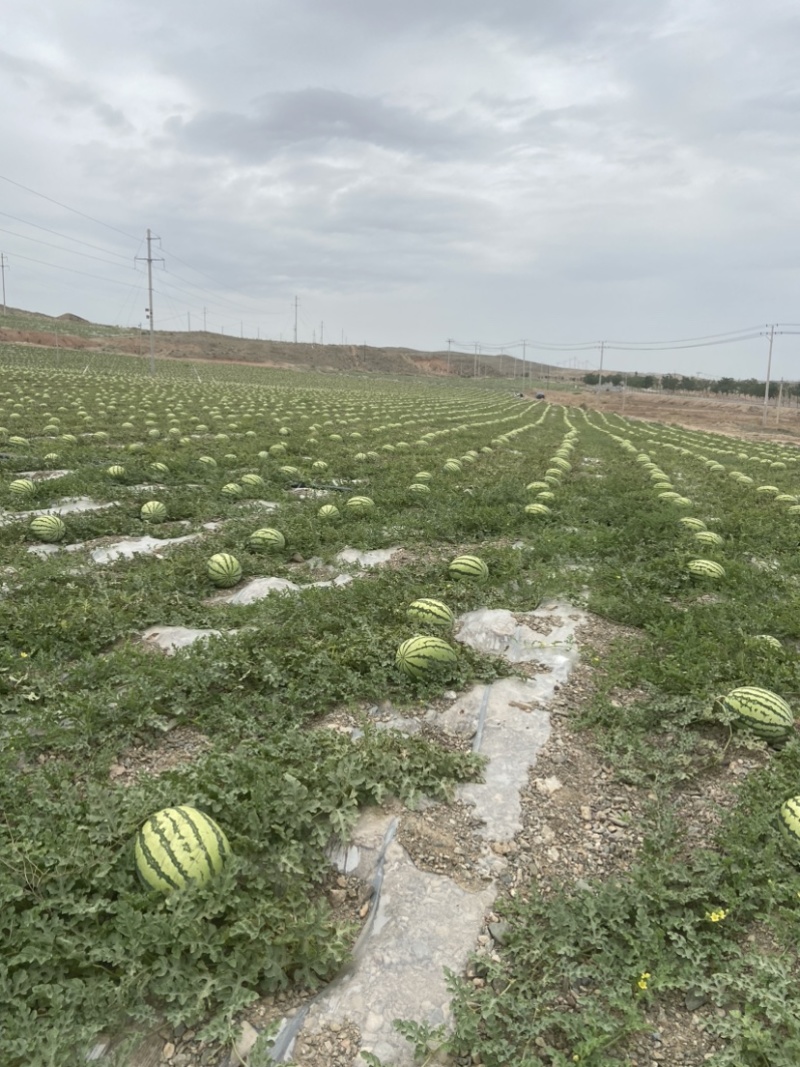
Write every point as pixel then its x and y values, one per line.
pixel 591 379
pixel 615 379
pixel 724 385
pixel 670 382
pixel 690 384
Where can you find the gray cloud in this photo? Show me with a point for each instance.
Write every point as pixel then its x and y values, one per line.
pixel 318 118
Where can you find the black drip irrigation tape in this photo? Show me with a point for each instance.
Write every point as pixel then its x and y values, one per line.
pixel 282 1046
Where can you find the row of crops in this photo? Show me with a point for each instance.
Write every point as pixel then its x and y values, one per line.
pixel 603 510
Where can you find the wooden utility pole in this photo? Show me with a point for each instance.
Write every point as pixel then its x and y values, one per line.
pixel 778 409
pixel 3 274
pixel 295 320
pixel 600 375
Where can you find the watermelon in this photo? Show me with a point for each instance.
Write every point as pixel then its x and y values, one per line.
pixel 48 528
pixel 426 609
pixel 328 511
pixel 692 523
pixel 705 568
pixel 267 538
pixel 707 537
pixel 765 713
pixel 116 471
pixel 789 821
pixel 233 490
pixel 21 487
pixel 468 567
pixel 419 488
pixel 360 504
pixel 224 570
pixel 418 655
pixel 537 509
pixel 178 846
pixel 153 511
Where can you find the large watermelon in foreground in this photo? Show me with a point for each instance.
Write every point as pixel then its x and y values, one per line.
pixel 177 846
pixel 764 712
pixel 418 655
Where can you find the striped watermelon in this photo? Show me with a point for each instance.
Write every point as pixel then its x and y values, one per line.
pixel 469 567
pixel 789 821
pixel 416 656
pixel 328 511
pixel 224 570
pixel 360 504
pixel 22 487
pixel 426 609
pixel 207 461
pixel 452 466
pixel 252 480
pixel 707 537
pixel 419 488
pixel 116 471
pixel 532 486
pixel 177 846
pixel 159 468
pixel 423 476
pixel 48 528
pixel 267 538
pixel 537 509
pixel 232 490
pixel 153 511
pixel 705 568
pixel 764 712
pixel 692 523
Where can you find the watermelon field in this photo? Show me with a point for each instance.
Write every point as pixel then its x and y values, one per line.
pixel 219 500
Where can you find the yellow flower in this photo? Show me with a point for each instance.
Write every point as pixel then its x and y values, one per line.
pixel 23 655
pixel 642 983
pixel 716 916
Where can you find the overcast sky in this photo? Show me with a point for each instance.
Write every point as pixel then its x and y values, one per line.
pixel 482 170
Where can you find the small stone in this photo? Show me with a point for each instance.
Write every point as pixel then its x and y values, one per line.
pixel 449 694
pixel 168 1051
pixel 116 770
pixel 244 1043
pixel 694 999
pixel 337 897
pixel 548 786
pixel 586 813
pixel 499 932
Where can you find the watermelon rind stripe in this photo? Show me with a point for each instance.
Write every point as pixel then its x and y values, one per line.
pixel 169 814
pixel 201 841
pixel 150 859
pixel 214 830
pixel 790 810
pixel 166 843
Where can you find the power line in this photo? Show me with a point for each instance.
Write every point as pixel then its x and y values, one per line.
pixel 66 236
pixel 71 270
pixel 66 207
pixel 60 248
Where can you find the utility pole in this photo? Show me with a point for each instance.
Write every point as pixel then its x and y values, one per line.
pixel 449 347
pixel 769 369
pixel 204 321
pixel 322 333
pixel 778 409
pixel 475 363
pixel 189 321
pixel 600 375
pixel 295 320
pixel 3 273
pixel 149 309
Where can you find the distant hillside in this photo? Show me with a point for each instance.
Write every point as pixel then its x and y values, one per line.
pixel 71 331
